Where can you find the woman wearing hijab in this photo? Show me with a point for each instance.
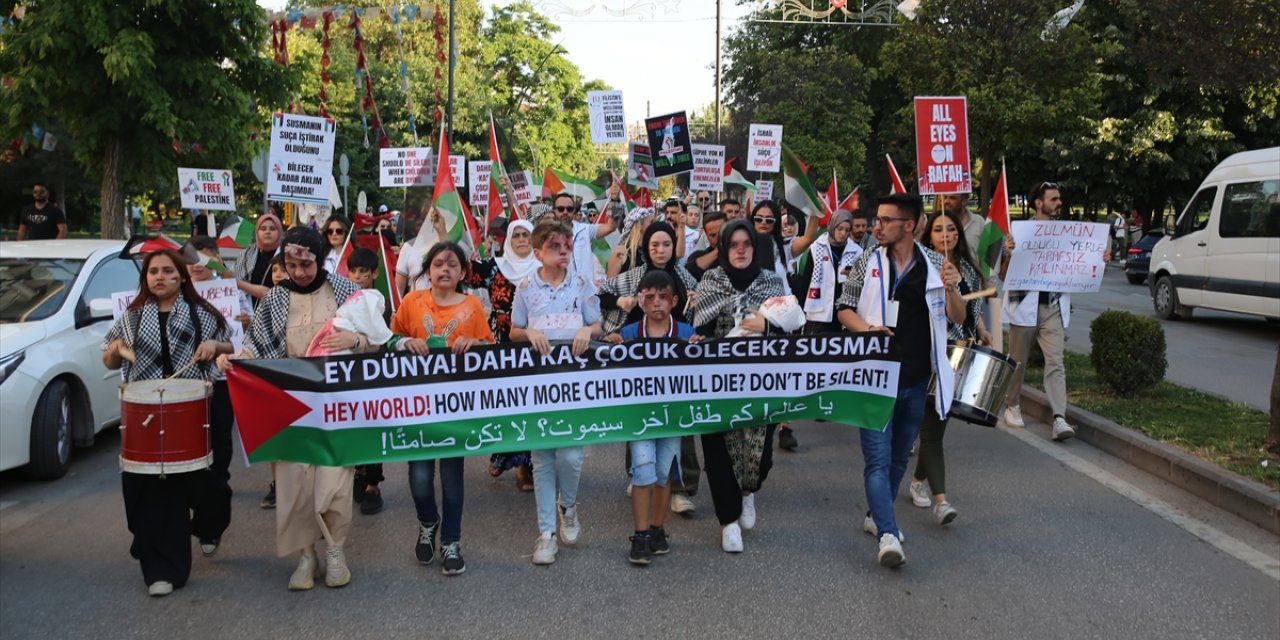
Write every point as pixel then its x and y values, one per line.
pixel 823 271
pixel 778 252
pixel 630 252
pixel 253 269
pixel 313 502
pixel 617 296
pixel 736 461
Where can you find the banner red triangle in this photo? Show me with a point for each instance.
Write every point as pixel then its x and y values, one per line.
pixel 262 409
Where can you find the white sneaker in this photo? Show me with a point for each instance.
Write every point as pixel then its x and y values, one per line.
pixel 1062 430
pixel 682 504
pixel 731 538
pixel 570 528
pixel 545 551
pixel 869 526
pixel 160 588
pixel 890 554
pixel 748 517
pixel 629 486
pixel 304 576
pixel 336 572
pixel 1013 417
pixel 920 493
pixel 944 512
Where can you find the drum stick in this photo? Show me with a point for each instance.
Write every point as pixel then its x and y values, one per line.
pixel 128 354
pixel 176 374
pixel 985 293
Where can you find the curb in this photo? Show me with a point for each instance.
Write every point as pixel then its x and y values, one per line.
pixel 1246 498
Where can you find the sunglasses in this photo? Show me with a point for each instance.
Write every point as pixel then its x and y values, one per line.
pixel 764 220
pixel 334 231
pixel 565 209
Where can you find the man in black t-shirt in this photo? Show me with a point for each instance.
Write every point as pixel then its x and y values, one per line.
pixel 41 220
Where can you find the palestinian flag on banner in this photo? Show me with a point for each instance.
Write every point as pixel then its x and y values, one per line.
pixel 385 281
pixel 496 171
pixel 237 234
pixel 137 246
pixel 797 189
pixel 457 217
pixel 554 182
pixel 734 179
pixel 850 203
pixel 894 178
pixel 196 257
pixel 990 245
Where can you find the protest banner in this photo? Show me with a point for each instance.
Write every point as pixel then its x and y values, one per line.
pixel 1057 255
pixel 708 168
pixel 347 410
pixel 478 194
pixel 522 185
pixel 607 117
pixel 764 148
pixel 669 144
pixel 301 158
pixel 640 167
pixel 764 189
pixel 406 167
pixel 942 145
pixel 222 293
pixel 458 167
pixel 208 189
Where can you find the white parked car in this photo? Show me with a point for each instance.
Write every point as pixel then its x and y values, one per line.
pixel 55 307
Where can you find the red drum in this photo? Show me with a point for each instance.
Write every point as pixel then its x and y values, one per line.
pixel 165 430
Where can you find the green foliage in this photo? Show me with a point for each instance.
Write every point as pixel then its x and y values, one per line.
pixel 1128 352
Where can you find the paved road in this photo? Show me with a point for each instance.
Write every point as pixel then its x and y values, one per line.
pixel 1226 354
pixel 1040 550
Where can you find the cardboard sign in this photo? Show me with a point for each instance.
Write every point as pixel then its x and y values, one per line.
pixel 669 144
pixel 608 122
pixel 942 145
pixel 764 148
pixel 222 293
pixel 764 189
pixel 1055 255
pixel 406 167
pixel 458 167
pixel 522 184
pixel 479 192
pixel 301 158
pixel 208 189
pixel 640 167
pixel 708 168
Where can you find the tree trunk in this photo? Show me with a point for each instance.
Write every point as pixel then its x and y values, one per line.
pixel 987 187
pixel 111 195
pixel 1273 436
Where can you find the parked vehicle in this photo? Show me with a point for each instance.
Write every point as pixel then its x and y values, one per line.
pixel 1138 260
pixel 1223 251
pixel 55 308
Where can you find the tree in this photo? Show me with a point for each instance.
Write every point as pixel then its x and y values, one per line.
pixel 137 82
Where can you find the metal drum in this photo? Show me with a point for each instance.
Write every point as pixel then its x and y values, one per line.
pixel 164 426
pixel 982 380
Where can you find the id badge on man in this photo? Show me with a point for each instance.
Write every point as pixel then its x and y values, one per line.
pixel 891 314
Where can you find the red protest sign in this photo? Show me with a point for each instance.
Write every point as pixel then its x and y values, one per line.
pixel 942 145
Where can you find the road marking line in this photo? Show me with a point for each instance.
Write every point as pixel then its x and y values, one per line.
pixel 1222 541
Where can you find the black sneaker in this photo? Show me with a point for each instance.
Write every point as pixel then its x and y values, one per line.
pixel 426 547
pixel 372 502
pixel 452 563
pixel 358 489
pixel 787 439
pixel 658 541
pixel 269 500
pixel 640 553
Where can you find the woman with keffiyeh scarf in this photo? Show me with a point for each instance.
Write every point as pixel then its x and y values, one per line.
pixel 736 461
pixel 253 269
pixel 167 326
pixel 313 502
pixel 617 296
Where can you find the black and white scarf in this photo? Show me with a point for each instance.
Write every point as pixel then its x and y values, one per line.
pixel 140 331
pixel 266 336
pixel 717 294
pixel 627 283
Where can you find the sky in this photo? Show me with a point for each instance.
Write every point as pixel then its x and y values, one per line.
pixel 663 59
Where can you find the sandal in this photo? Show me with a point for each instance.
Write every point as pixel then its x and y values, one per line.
pixel 523 481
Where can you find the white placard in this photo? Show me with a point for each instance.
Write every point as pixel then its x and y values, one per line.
pixel 1057 255
pixel 222 293
pixel 479 175
pixel 708 168
pixel 764 148
pixel 207 189
pixel 607 116
pixel 764 189
pixel 522 184
pixel 458 167
pixel 301 158
pixel 406 167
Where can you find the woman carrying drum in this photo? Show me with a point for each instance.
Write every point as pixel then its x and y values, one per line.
pixel 943 235
pixel 167 328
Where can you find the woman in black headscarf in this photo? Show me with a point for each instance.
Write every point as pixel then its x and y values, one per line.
pixel 617 296
pixel 729 295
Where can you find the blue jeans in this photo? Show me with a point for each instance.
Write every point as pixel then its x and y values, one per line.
pixel 884 456
pixel 555 471
pixel 652 461
pixel 422 484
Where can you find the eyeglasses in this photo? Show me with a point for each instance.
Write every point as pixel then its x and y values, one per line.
pixel 704 199
pixel 334 231
pixel 764 220
pixel 886 220
pixel 565 209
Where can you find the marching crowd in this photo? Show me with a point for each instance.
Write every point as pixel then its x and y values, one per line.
pixel 689 270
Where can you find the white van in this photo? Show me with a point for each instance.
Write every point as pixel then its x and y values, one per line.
pixel 1223 252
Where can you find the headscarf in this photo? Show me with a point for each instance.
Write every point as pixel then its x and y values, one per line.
pixel 670 267
pixel 305 243
pixel 257 226
pixel 536 211
pixel 836 218
pixel 514 268
pixel 740 278
pixel 769 246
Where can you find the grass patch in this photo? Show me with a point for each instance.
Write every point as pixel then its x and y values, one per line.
pixel 1229 434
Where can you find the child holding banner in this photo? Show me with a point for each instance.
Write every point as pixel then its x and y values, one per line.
pixel 554 303
pixel 442 316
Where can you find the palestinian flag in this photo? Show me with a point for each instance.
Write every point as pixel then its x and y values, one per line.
pixel 212 264
pixel 897 186
pixel 833 195
pixel 236 235
pixel 797 189
pixel 385 280
pixel 554 182
pixel 734 179
pixel 138 246
pixel 990 245
pixel 457 218
pixel 496 171
pixel 602 248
